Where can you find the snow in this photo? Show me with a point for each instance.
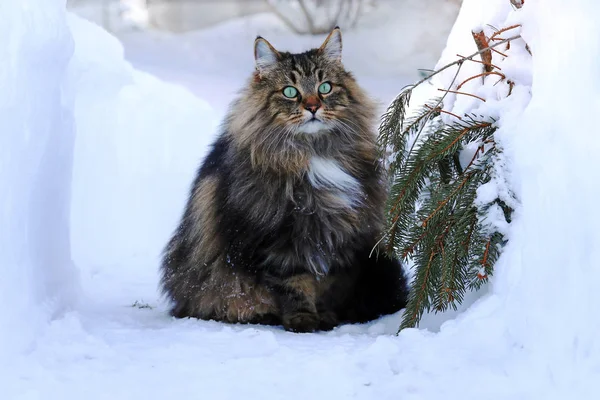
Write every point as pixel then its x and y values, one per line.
pixel 138 145
pixel 36 148
pixel 100 331
pixel 554 241
pixel 386 50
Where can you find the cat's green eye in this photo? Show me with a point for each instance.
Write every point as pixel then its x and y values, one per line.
pixel 290 92
pixel 325 88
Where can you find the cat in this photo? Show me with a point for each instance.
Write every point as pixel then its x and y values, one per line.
pixel 283 219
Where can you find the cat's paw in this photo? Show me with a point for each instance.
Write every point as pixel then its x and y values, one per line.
pixel 301 322
pixel 328 320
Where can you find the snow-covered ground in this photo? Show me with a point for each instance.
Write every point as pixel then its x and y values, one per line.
pixel 94 328
pixel 392 43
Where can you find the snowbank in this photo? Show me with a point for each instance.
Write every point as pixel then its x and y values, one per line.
pixel 138 144
pixel 550 272
pixel 126 172
pixel 37 279
pixel 539 321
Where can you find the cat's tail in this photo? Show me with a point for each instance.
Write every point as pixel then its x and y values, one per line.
pixel 381 288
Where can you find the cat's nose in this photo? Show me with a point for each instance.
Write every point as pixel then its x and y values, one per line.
pixel 312 104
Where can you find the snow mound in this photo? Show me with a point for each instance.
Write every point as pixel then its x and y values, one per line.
pixel 539 316
pixel 38 280
pixel 138 145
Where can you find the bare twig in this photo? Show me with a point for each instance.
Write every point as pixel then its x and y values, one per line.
pixel 511 84
pixel 465 93
pixel 483 74
pixel 501 31
pixel 481 62
pixel 499 52
pixel 463 59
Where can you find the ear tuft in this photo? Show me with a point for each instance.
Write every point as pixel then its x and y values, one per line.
pixel 265 55
pixel 332 46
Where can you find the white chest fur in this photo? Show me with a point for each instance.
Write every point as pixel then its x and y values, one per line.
pixel 327 174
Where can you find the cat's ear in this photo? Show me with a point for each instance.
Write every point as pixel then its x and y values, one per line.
pixel 332 46
pixel 265 55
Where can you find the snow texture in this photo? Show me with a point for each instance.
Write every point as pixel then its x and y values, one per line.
pixel 532 336
pixel 139 142
pixel 38 280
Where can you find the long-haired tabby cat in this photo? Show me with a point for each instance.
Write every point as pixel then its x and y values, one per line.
pixel 282 222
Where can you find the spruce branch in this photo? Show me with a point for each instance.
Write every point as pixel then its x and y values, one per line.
pixel 432 214
pixel 446 200
pixel 416 302
pixel 443 111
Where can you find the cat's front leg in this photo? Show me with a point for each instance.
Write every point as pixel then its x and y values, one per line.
pixel 297 299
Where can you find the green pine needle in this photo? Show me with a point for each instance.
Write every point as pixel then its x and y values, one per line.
pixel 431 212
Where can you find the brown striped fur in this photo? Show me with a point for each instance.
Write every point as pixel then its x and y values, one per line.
pixel 287 207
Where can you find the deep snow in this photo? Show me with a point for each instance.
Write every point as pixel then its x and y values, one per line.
pixel 533 335
pixel 138 144
pixel 38 280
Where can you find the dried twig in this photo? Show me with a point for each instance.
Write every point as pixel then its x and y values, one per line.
pixel 511 84
pixel 501 31
pixel 480 62
pixel 459 63
pixel 499 52
pixel 483 74
pixel 465 93
pixel 463 59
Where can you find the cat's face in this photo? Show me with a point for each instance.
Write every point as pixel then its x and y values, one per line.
pixel 308 93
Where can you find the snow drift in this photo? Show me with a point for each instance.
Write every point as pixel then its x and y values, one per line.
pixel 139 141
pixel 81 127
pixel 36 151
pixel 538 322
